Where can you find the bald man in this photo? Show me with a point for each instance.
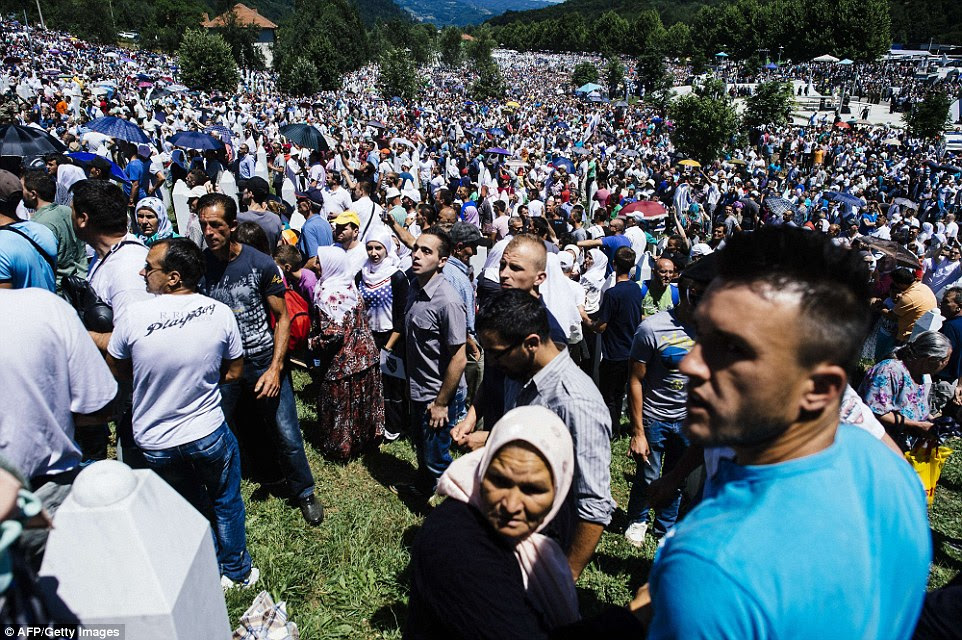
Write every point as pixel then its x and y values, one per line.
pixel 610 243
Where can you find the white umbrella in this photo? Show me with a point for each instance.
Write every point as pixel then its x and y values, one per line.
pixel 402 141
pixel 825 58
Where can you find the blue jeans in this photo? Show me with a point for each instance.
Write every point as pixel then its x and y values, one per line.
pixel 667 444
pixel 433 445
pixel 206 472
pixel 278 416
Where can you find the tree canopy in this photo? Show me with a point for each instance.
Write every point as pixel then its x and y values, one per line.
pixel 206 62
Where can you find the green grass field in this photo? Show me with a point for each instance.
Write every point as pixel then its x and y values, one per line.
pixel 348 577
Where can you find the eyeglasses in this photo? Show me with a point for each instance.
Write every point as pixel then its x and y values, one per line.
pixel 497 354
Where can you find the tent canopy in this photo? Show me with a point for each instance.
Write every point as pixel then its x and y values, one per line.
pixel 825 58
pixel 588 88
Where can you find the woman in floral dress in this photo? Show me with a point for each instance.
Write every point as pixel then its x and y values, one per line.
pixel 350 403
pixel 897 389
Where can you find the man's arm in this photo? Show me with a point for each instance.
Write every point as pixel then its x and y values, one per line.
pixel 231 370
pixel 402 234
pixel 589 244
pixel 638 446
pixel 438 409
pixel 586 537
pixel 269 384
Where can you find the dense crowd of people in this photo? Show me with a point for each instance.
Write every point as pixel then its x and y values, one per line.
pixel 523 281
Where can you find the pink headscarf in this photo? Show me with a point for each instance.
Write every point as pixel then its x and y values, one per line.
pixel 544 567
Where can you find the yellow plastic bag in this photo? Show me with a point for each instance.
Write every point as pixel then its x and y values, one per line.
pixel 928 460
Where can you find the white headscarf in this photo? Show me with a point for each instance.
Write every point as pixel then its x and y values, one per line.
pixel 544 567
pixel 335 294
pixel 374 274
pixel 595 276
pixel 557 296
pixel 67 176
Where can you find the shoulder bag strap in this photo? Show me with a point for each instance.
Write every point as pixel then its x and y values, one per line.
pixel 46 256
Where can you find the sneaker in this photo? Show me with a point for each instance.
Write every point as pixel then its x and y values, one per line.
pixel 390 436
pixel 409 491
pixel 635 533
pixel 227 584
pixel 312 510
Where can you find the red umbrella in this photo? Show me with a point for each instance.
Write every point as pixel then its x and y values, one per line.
pixel 648 208
pixel 843 125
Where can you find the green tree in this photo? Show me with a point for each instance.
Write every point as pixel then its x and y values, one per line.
pixel 329 32
pixel 771 103
pixel 651 71
pixel 703 126
pixel 398 76
pixel 490 83
pixel 171 19
pixel 584 73
pixel 927 118
pixel 450 47
pixel 647 33
pixel 479 50
pixel 205 62
pixel 242 40
pixel 614 74
pixel 300 79
pixel 677 40
pixel 611 32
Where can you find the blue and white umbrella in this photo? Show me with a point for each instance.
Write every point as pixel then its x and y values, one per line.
pixel 778 206
pixel 844 198
pixel 118 128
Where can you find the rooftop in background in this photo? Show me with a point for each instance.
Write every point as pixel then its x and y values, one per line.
pixel 245 15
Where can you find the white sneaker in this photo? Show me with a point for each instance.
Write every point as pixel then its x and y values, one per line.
pixel 636 532
pixel 227 584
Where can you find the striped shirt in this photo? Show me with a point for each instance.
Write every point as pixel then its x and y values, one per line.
pixel 565 389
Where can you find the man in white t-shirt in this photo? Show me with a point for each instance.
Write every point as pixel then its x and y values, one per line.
pixel 53 378
pixel 100 220
pixel 178 347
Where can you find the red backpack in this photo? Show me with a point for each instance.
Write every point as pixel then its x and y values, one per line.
pixel 299 313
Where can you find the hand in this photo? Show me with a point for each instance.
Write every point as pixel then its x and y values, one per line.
pixel 638 447
pixel 437 415
pixel 474 351
pixel 474 440
pixel 269 384
pixel 461 431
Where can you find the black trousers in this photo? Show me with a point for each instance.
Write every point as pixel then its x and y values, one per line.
pixel 613 381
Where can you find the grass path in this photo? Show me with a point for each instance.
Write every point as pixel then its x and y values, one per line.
pixel 348 578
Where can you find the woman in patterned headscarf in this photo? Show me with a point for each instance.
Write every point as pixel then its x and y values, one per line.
pixel 384 289
pixel 350 410
pixel 153 221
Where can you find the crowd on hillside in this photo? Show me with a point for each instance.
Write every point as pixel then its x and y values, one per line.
pixel 522 281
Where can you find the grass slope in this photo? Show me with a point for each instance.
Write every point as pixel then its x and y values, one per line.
pixel 348 578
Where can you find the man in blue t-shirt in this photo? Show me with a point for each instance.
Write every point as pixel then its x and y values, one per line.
pixel 816 530
pixel 609 244
pixel 316 231
pixel 618 318
pixel 28 251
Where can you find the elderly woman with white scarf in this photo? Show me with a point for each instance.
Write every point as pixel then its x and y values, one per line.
pixel 480 566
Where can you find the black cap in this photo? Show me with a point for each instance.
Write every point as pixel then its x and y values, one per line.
pixel 465 233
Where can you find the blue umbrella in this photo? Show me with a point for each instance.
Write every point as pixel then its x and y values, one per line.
pixel 771 65
pixel 844 198
pixel 563 162
pixel 115 170
pixel 118 128
pixel 496 131
pixel 778 206
pixel 498 151
pixel 222 132
pixel 561 124
pixel 195 140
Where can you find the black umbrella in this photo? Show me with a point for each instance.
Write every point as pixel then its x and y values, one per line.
pixel 890 248
pixel 20 141
pixel 305 135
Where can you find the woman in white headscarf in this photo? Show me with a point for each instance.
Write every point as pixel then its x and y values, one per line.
pixel 557 296
pixel 384 289
pixel 67 176
pixel 153 221
pixel 480 566
pixel 594 280
pixel 350 405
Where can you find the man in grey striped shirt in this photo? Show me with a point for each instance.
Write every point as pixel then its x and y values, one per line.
pixel 513 328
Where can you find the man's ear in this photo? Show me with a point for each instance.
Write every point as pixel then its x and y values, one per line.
pixel 824 388
pixel 540 278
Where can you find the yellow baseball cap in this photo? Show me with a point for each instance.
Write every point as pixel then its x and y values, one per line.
pixel 347 217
